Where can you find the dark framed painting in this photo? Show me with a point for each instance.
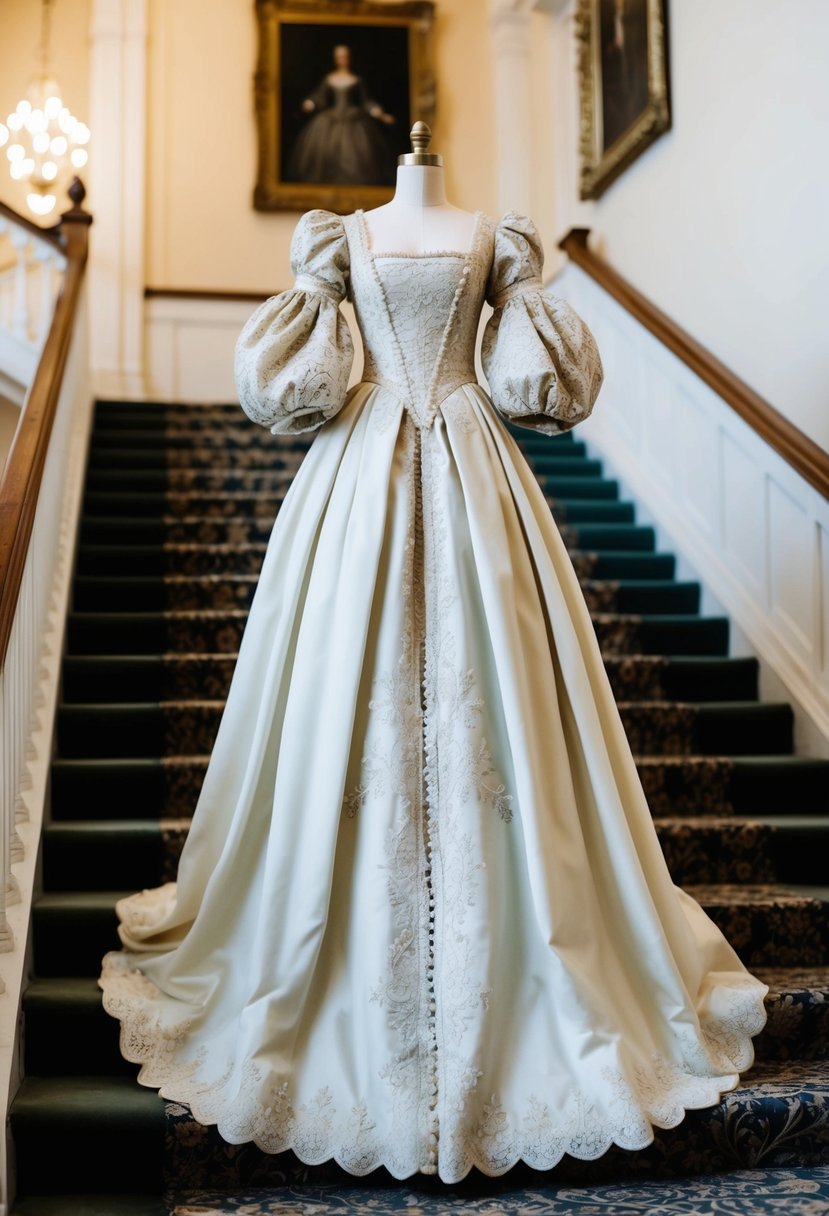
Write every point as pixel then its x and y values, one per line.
pixel 338 85
pixel 623 85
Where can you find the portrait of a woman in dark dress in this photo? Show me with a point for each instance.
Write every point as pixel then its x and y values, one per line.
pixel 342 141
pixel 624 51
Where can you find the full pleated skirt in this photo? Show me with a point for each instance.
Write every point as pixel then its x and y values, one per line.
pixel 422 919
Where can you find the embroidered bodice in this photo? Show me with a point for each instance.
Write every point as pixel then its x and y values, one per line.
pixel 418 316
pixel 418 341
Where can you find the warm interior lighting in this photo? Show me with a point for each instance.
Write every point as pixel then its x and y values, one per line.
pixel 48 139
pixel 41 204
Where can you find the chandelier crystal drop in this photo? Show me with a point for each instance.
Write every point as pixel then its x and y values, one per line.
pixel 42 138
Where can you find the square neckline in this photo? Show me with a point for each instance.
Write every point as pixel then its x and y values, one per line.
pixel 395 254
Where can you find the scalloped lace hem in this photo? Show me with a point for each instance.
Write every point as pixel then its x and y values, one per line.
pixel 316 1132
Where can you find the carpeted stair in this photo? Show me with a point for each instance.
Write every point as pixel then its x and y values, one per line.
pixel 178 508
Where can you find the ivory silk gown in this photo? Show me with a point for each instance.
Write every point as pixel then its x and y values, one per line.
pixel 422 918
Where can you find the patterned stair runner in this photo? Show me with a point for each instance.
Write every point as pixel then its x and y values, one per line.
pixel 178 508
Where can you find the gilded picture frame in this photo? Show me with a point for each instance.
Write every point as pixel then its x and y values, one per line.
pixel 623 85
pixel 338 85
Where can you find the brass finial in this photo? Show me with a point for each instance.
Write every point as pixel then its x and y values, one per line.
pixel 421 137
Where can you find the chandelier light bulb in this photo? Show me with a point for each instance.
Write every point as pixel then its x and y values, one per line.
pixel 37 121
pixel 45 139
pixel 41 204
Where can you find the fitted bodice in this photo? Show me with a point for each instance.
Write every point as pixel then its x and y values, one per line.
pixel 418 315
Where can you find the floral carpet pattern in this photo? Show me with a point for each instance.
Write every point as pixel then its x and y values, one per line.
pixel 797 1192
pixel 769 1122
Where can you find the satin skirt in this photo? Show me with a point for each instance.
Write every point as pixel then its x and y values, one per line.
pixel 422 918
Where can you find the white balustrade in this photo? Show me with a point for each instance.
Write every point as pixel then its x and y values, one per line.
pixel 30 276
pixel 32 271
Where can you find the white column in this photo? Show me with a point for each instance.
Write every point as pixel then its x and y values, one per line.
pixel 538 155
pixel 117 169
pixel 570 210
pixel 511 50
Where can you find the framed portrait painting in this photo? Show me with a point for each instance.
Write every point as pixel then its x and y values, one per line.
pixel 623 84
pixel 338 85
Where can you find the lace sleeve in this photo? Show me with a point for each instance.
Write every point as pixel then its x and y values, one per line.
pixel 539 357
pixel 294 355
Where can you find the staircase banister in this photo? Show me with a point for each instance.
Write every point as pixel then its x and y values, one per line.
pixel 52 236
pixel 23 472
pixel 804 455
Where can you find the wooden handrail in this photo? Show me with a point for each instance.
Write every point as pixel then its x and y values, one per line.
pixel 22 476
pixel 801 452
pixel 206 293
pixel 49 235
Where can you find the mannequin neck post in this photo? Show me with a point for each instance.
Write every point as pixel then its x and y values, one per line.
pixel 420 186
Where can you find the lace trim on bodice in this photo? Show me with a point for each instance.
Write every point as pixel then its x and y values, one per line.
pixel 453 362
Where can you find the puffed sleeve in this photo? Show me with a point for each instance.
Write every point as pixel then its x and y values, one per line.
pixel 294 355
pixel 540 359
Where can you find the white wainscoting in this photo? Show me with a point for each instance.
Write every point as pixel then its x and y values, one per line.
pixel 189 346
pixel 740 518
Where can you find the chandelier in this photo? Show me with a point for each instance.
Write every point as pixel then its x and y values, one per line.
pixel 44 138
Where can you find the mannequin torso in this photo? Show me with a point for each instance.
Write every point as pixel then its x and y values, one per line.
pixel 419 218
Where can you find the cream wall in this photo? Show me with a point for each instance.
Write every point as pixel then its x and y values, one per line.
pixel 724 222
pixel 202 231
pixel 19 42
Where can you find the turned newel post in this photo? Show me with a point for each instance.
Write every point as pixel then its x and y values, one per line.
pixel 73 226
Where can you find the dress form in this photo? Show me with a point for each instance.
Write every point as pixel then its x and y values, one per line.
pixel 419 218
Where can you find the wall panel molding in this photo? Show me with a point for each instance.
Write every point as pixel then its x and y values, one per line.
pixel 751 528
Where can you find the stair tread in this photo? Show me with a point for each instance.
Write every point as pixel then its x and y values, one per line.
pixel 211 613
pixel 766 761
pixel 86 1204
pixel 84 990
pixel 111 1096
pixel 141 580
pixel 128 827
pixel 706 893
pixel 748 894
pixel 99 1097
pixel 718 707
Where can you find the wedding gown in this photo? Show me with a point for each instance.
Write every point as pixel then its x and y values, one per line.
pixel 422 918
